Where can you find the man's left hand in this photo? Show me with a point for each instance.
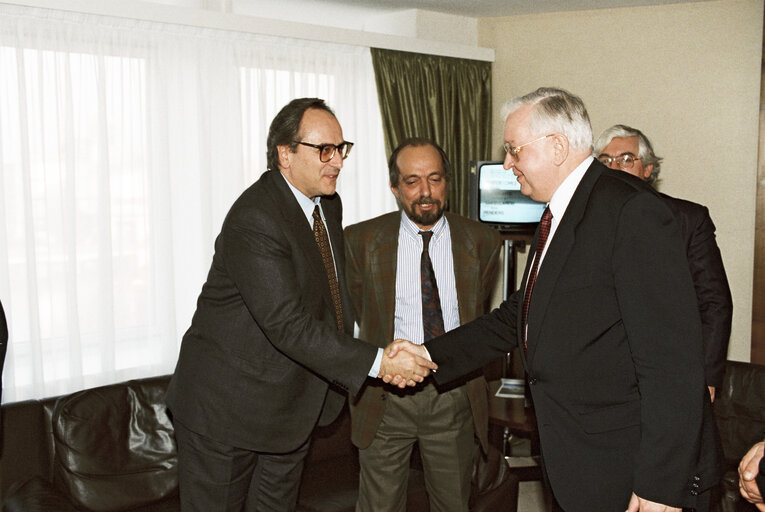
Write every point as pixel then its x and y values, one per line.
pixel 638 503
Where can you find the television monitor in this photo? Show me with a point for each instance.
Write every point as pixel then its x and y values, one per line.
pixel 496 199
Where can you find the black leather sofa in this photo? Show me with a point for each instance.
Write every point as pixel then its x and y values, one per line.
pixel 740 413
pixel 111 448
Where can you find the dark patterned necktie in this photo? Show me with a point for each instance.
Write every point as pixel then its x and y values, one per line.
pixel 322 240
pixel 544 232
pixel 432 318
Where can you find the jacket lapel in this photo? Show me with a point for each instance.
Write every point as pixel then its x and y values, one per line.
pixel 466 268
pixel 383 255
pixel 299 227
pixel 555 259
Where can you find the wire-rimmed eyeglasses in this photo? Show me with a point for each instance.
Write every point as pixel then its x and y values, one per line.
pixel 327 151
pixel 514 150
pixel 624 161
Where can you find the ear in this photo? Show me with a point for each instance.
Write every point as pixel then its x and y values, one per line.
pixel 394 189
pixel 560 148
pixel 647 170
pixel 285 156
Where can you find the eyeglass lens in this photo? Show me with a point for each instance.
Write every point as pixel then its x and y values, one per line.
pixel 327 151
pixel 623 161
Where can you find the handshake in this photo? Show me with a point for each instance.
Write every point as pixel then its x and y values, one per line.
pixel 405 364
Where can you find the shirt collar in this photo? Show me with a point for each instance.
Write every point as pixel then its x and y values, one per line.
pixel 306 203
pixel 565 191
pixel 413 230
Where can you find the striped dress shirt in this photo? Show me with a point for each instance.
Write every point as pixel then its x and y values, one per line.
pixel 408 314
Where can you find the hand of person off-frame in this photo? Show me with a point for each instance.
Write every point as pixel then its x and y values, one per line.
pixel 642 505
pixel 405 364
pixel 748 469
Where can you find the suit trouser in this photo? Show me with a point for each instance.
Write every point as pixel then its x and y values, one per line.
pixel 442 425
pixel 217 477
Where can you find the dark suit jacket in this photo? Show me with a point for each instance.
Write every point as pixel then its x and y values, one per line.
pixel 3 349
pixel 255 366
pixel 371 254
pixel 615 357
pixel 710 282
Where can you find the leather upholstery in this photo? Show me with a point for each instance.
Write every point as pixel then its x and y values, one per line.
pixel 111 448
pixel 739 409
pixel 115 447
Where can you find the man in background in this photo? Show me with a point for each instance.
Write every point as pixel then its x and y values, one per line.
pixel 415 274
pixel 268 355
pixel 627 149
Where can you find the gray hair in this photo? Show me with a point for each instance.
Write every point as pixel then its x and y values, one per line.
pixel 555 111
pixel 645 149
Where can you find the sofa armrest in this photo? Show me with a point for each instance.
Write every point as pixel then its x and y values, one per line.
pixel 504 497
pixel 37 495
pixel 495 487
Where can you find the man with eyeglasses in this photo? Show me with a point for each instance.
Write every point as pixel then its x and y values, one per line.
pixel 272 329
pixel 627 149
pixel 415 274
pixel 605 319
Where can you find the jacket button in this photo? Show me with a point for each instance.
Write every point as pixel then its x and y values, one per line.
pixel 532 381
pixel 697 478
pixel 694 492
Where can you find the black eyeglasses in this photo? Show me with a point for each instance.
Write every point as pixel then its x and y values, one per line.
pixel 327 151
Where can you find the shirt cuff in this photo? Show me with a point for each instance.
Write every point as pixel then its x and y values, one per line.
pixel 375 370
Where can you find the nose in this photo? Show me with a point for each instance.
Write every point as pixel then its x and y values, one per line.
pixel 508 163
pixel 613 165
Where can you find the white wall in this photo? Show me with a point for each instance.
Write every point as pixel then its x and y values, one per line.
pixel 688 75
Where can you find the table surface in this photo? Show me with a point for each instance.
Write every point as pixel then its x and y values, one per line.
pixel 510 412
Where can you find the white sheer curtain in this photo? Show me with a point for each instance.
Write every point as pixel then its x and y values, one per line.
pixel 122 145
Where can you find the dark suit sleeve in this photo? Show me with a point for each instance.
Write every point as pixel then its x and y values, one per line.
pixel 475 344
pixel 713 295
pixel 264 266
pixel 658 309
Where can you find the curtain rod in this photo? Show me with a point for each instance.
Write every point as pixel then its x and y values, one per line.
pixel 196 17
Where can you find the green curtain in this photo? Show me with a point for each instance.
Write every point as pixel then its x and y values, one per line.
pixel 443 98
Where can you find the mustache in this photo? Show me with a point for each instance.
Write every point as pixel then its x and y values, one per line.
pixel 427 200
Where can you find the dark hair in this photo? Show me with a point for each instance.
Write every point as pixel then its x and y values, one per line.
pixel 284 128
pixel 393 170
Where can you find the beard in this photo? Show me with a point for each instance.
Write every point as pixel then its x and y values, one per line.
pixel 427 218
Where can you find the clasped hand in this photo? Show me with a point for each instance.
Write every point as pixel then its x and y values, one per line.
pixel 405 364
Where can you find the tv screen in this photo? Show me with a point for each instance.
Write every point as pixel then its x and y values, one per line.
pixel 496 199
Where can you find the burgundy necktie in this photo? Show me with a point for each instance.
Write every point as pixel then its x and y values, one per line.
pixel 544 232
pixel 322 240
pixel 432 317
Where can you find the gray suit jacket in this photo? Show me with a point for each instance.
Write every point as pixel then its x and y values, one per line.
pixel 256 365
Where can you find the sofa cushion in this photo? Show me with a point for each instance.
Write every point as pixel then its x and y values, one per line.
pixel 739 410
pixel 114 446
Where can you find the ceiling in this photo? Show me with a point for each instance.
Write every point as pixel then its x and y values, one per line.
pixel 491 8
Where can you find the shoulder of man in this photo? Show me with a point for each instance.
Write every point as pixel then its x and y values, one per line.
pixel 475 228
pixel 684 206
pixel 619 186
pixel 389 220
